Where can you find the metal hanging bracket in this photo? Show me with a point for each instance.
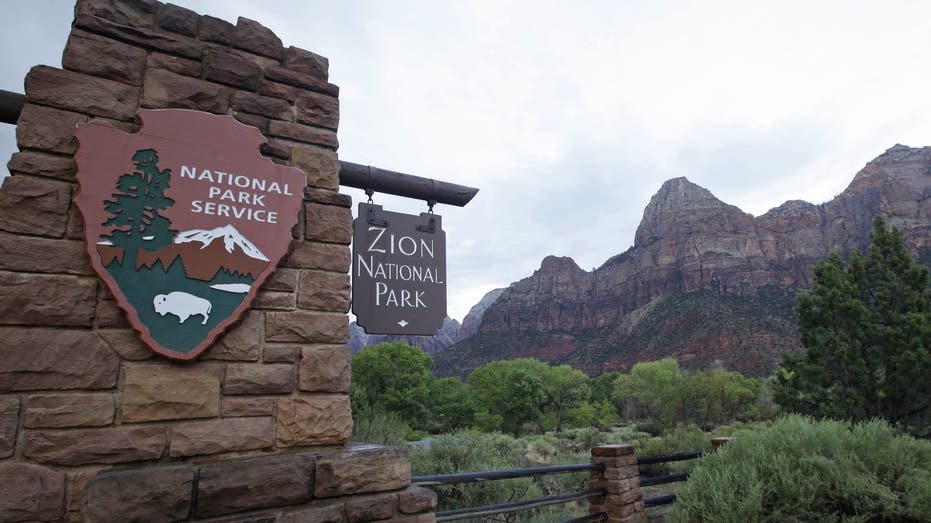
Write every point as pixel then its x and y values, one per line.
pixel 374 220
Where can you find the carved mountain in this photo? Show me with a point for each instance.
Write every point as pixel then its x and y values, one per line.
pixel 704 282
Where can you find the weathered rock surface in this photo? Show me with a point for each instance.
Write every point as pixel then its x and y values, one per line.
pixel 690 242
pixel 313 420
pixel 68 410
pixel 362 469
pixel 163 494
pixel 252 484
pixel 88 446
pixel 31 493
pixel 222 435
pixel 9 423
pixel 57 359
pixel 161 392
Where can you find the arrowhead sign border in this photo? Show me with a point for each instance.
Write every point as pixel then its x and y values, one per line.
pixel 184 221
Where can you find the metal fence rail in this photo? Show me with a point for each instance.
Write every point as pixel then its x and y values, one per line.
pixel 488 510
pixel 669 478
pixel 472 477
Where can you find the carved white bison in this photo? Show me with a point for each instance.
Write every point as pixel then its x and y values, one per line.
pixel 182 305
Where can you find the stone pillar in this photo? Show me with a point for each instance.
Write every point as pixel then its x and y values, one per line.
pixel 717 443
pixel 622 500
pixel 93 425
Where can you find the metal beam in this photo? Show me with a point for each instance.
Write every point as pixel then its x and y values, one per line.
pixel 350 174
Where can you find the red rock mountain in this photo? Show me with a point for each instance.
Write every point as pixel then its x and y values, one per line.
pixel 704 282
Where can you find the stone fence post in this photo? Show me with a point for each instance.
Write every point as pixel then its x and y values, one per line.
pixel 620 479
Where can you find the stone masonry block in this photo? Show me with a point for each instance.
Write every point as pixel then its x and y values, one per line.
pixel 284 301
pixel 46 299
pixel 72 448
pixel 320 164
pixel 43 165
pixel 241 343
pixel 324 291
pixel 259 378
pixel 81 93
pixel 303 133
pixel 44 255
pixel 263 105
pixel 369 508
pixel 323 256
pixel 252 36
pixel 318 109
pixel 326 512
pixel 362 469
pixel 280 353
pixel 68 410
pixel 175 64
pixel 126 343
pixel 314 420
pixel 142 35
pixel 48 129
pixel 177 20
pixel 240 407
pixel 325 368
pixel 156 494
pixel 306 62
pixel 104 58
pixel 215 30
pixel 9 425
pixel 232 487
pixel 328 223
pixel 30 205
pixel 163 89
pixel 612 450
pixel 58 359
pixel 139 14
pixel 306 327
pixel 417 499
pixel 289 77
pixel 231 69
pixel 31 493
pixel 222 435
pixel 170 391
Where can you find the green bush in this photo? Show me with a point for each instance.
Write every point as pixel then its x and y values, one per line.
pixel 805 470
pixel 381 429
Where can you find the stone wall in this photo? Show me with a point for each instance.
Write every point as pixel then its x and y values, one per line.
pixel 94 426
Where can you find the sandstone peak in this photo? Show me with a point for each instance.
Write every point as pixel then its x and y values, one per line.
pixel 558 263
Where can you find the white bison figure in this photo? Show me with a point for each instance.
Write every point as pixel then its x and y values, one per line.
pixel 182 305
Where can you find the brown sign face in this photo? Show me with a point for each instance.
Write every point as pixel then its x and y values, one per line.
pixel 398 272
pixel 184 221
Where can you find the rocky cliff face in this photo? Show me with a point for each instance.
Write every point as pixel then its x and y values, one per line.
pixel 699 254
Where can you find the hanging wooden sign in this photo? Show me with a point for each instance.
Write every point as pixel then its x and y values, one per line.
pixel 184 221
pixel 398 272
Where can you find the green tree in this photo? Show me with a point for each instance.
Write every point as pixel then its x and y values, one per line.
pixel 564 389
pixel 510 394
pixel 867 328
pixel 651 391
pixel 451 405
pixel 392 377
pixel 135 209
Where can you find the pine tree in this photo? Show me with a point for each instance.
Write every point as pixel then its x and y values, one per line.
pixel 134 209
pixel 867 328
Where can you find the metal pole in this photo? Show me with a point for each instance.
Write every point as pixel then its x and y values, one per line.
pixel 350 174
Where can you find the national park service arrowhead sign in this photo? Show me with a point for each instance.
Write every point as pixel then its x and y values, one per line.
pixel 184 221
pixel 398 272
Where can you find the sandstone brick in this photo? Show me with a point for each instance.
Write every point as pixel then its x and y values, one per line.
pixel 284 301
pixel 314 420
pixel 328 512
pixel 318 109
pixel 48 129
pixel 168 391
pixel 215 30
pixel 259 378
pixel 277 90
pixel 328 223
pixel 163 89
pixel 140 13
pixel 81 93
pixel 284 280
pixel 321 165
pixel 362 469
pixel 231 69
pixel 177 20
pixel 42 164
pixel 254 484
pixel 257 121
pixel 306 327
pixel 55 359
pixel 182 66
pixel 612 450
pixel 324 368
pixel 104 57
pixel 369 508
pixel 276 149
pixel 72 448
pixel 303 133
pixel 31 493
pixel 222 435
pixel 241 343
pixel 9 425
pixel 46 299
pixel 45 255
pixel 280 354
pixel 416 499
pixel 140 35
pixel 252 36
pixel 264 105
pixel 323 256
pixel 30 205
pixel 156 494
pixel 324 291
pixel 75 228
pixel 240 407
pixel 286 76
pixel 126 343
pixel 77 482
pixel 68 410
pixel 327 197
pixel 306 62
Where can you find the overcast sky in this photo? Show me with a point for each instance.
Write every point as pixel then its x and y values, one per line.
pixel 570 115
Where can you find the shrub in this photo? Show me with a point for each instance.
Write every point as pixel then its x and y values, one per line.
pixel 381 429
pixel 805 470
